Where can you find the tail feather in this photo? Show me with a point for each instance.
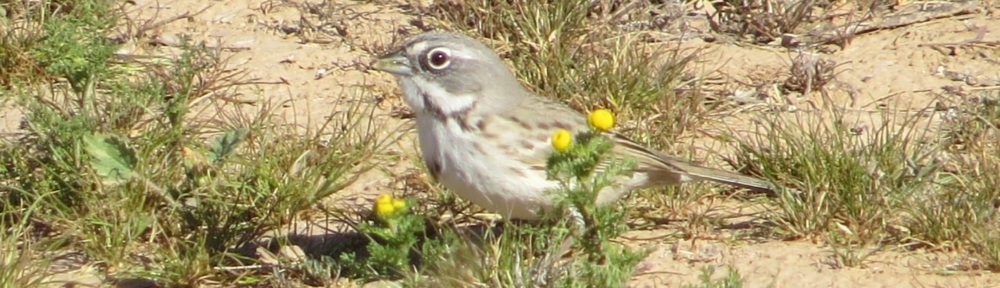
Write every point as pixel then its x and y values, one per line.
pixel 667 169
pixel 728 178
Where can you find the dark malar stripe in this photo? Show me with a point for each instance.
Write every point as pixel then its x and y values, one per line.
pixel 460 116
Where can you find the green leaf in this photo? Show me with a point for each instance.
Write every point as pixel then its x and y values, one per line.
pixel 226 144
pixel 111 158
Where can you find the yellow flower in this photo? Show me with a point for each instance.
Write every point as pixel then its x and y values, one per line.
pixel 384 206
pixel 561 140
pixel 399 204
pixel 601 119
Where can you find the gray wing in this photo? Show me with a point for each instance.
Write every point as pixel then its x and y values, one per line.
pixel 665 169
pixel 544 116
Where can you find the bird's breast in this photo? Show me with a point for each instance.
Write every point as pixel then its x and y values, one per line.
pixel 496 169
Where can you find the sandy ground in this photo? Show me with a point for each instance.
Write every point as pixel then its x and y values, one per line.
pixel 906 68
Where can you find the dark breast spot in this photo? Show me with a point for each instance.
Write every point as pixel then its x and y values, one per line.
pixel 491 136
pixel 562 125
pixel 527 144
pixel 478 145
pixel 504 147
pixel 520 122
pixel 518 171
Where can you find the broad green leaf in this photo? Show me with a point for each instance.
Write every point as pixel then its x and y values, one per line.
pixel 226 144
pixel 111 158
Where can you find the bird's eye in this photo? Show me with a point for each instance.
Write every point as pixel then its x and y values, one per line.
pixel 438 59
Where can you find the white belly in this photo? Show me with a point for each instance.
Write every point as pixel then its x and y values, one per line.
pixel 486 179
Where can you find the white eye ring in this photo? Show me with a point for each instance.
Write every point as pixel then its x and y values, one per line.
pixel 438 58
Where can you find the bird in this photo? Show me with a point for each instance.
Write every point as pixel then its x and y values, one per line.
pixel 486 137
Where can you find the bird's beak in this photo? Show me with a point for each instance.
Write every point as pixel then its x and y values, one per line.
pixel 394 63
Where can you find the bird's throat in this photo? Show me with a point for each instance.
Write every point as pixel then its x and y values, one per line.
pixel 435 101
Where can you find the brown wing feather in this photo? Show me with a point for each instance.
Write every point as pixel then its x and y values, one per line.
pixel 661 169
pixel 666 169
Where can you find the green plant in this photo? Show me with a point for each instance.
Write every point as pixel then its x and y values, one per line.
pixel 20 264
pixel 962 215
pixel 52 39
pixel 393 234
pixel 732 278
pixel 833 179
pixel 124 169
pixel 320 272
pixel 79 55
pixel 584 168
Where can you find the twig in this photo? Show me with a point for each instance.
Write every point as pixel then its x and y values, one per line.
pixel 234 268
pixel 896 21
pixel 149 25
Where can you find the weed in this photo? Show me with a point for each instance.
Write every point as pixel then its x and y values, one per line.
pixel 732 279
pixel 986 247
pixel 962 215
pixel 117 161
pixel 861 190
pixel 762 20
pixel 392 235
pixel 75 46
pixel 20 266
pixel 848 250
pixel 34 37
pixel 837 180
pixel 583 169
pixel 321 271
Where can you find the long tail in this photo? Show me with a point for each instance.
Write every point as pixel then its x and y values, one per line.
pixel 666 169
pixel 725 177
